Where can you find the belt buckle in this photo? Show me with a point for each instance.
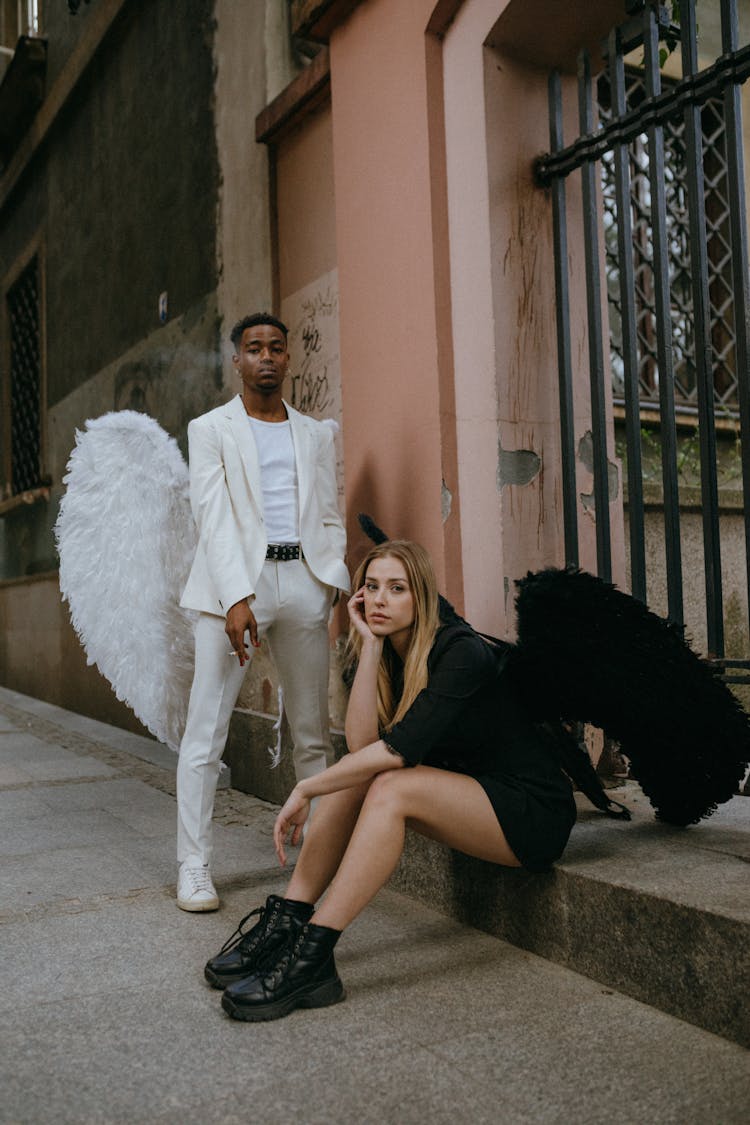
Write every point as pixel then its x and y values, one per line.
pixel 283 552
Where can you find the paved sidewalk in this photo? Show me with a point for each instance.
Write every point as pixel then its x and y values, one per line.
pixel 104 1016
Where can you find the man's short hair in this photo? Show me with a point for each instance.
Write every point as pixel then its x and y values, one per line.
pixel 252 322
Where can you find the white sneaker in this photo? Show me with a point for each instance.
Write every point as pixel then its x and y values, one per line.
pixel 195 890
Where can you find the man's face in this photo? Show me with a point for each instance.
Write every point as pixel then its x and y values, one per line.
pixel 262 359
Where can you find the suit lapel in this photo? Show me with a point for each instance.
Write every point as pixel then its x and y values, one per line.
pixel 242 432
pixel 302 443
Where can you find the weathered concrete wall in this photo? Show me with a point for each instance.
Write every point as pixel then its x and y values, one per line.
pixel 733 571
pixel 132 177
pixel 30 609
pixel 125 205
pixel 126 210
pixel 172 375
pixel 253 63
pixel 63 32
pixel 150 181
pixel 124 196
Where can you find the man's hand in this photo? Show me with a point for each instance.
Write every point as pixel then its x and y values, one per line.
pixel 241 619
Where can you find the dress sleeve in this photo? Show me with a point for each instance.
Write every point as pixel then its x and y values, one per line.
pixel 459 669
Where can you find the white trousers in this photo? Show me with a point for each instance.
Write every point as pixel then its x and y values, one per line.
pixel 292 608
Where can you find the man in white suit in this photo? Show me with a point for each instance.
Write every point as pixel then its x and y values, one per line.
pixel 269 562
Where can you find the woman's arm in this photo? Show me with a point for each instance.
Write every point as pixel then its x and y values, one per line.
pixel 361 725
pixel 351 770
pixel 362 735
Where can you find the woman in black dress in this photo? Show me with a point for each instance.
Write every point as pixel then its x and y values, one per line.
pixel 437 742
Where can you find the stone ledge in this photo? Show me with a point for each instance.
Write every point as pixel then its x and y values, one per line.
pixel 659 913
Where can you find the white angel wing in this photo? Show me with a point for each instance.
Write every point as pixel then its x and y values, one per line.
pixel 126 539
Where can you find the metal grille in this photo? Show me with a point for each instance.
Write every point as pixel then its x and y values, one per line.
pixel 670 155
pixel 25 379
pixel 678 239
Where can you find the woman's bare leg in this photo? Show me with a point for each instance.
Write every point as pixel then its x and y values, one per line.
pixel 448 807
pixel 326 840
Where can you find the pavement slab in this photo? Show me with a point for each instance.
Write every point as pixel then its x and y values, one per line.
pixel 105 1016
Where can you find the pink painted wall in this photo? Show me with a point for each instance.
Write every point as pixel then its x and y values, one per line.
pixel 473 314
pixel 305 203
pixel 496 58
pixel 447 300
pixel 384 233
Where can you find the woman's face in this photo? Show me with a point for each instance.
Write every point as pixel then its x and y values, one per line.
pixel 389 602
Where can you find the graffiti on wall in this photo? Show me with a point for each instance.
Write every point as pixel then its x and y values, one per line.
pixel 314 386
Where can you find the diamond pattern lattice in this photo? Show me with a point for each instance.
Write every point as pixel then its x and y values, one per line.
pixel 23 314
pixel 678 241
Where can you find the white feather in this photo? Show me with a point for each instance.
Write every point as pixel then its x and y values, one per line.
pixel 126 538
pixel 274 752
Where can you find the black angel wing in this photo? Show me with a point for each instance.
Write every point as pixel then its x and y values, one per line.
pixel 591 653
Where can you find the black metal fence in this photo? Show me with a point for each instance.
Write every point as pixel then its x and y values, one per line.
pixel 662 175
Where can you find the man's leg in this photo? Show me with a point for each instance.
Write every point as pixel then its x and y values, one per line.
pixel 216 684
pixel 298 640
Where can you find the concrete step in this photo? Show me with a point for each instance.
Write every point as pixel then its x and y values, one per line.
pixel 660 913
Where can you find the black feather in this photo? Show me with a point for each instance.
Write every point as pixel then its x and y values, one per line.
pixel 371 529
pixel 591 653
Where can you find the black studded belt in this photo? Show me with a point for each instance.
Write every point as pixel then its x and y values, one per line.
pixel 284 552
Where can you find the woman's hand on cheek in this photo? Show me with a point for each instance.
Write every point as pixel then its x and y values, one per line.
pixel 356 607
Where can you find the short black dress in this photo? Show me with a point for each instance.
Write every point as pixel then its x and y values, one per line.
pixel 468 720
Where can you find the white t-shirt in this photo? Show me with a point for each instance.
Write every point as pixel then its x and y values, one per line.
pixel 278 477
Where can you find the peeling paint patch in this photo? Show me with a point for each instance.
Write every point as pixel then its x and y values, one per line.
pixel 446 501
pixel 516 466
pixel 586 457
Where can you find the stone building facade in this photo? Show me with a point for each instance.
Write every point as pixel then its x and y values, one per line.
pixel 365 169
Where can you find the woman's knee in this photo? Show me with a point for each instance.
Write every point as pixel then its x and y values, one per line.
pixel 388 789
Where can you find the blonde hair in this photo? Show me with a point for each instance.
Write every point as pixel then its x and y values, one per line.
pixel 423 586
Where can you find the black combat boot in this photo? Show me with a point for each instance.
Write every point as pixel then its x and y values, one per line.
pixel 302 976
pixel 238 957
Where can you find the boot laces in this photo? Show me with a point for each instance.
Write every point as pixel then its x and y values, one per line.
pixel 275 962
pixel 247 939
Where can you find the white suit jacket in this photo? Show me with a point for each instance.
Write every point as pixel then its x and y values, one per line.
pixel 227 503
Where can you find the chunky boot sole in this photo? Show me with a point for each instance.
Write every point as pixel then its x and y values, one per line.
pixel 321 996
